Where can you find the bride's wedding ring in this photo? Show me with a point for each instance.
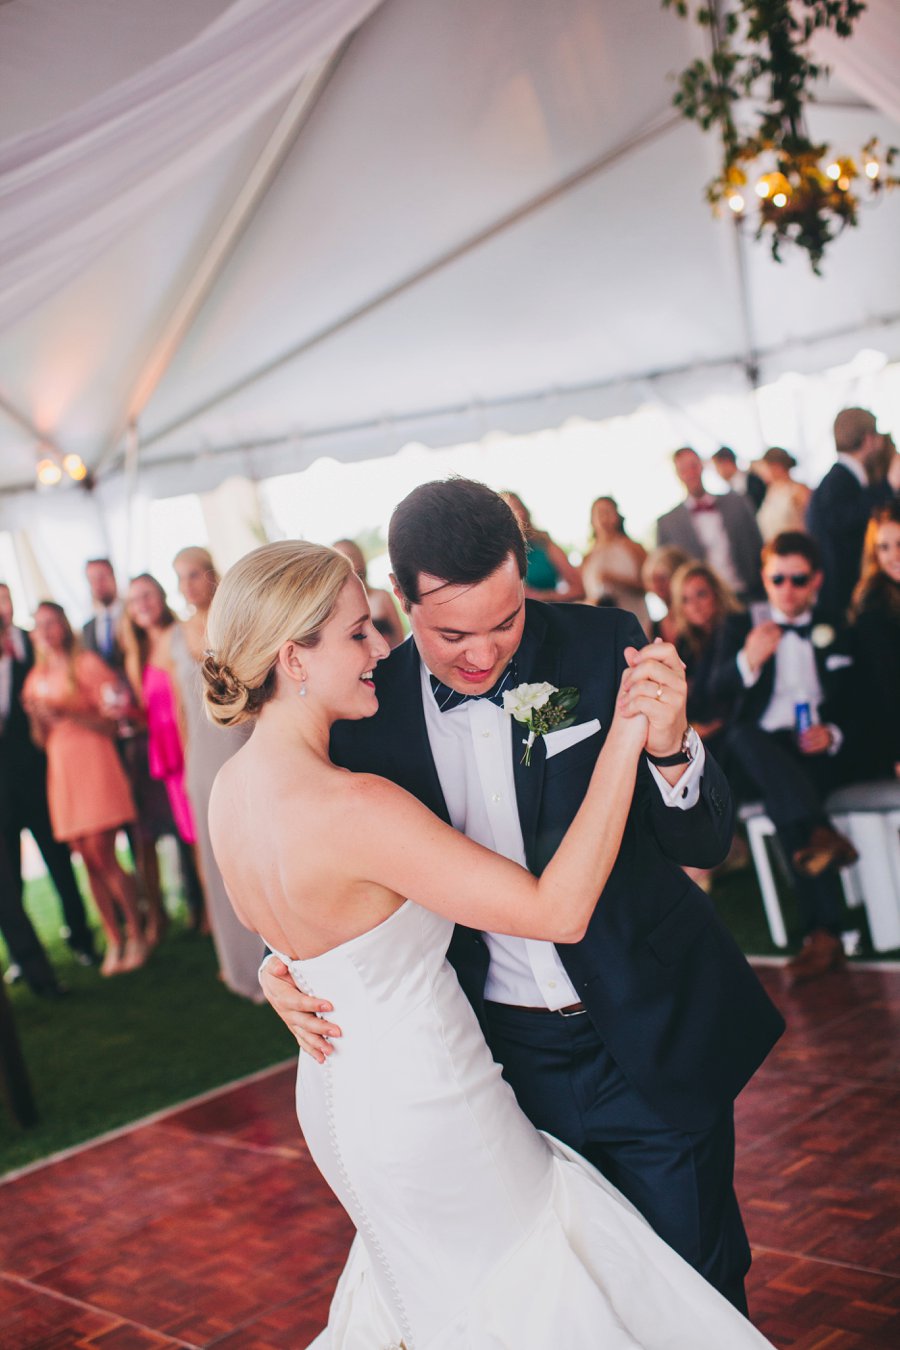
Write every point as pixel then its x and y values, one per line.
pixel 658 693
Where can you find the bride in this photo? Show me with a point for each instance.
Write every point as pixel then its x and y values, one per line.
pixel 474 1230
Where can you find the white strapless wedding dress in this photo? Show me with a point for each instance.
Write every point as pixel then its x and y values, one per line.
pixel 474 1231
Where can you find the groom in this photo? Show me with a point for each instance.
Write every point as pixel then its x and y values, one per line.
pixel 631 1045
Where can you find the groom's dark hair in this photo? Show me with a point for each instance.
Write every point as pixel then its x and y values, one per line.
pixel 455 529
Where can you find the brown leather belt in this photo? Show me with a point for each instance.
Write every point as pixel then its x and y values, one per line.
pixel 571 1011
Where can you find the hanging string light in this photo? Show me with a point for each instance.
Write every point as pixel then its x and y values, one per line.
pixel 806 195
pixel 48 473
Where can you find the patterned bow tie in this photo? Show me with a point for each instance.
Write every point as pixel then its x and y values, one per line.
pixel 802 630
pixel 447 699
pixel 702 504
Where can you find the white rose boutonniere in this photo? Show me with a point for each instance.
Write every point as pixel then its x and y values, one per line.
pixel 541 708
pixel 822 635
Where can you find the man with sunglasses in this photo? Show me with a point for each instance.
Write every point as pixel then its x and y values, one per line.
pixel 790 677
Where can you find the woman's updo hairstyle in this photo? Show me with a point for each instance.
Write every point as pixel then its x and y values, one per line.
pixel 279 593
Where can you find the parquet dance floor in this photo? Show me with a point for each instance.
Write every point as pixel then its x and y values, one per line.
pixel 210 1226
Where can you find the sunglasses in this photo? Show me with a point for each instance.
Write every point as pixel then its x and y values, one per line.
pixel 795 578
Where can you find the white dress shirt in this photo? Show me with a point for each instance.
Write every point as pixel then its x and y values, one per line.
pixel 107 621
pixel 796 681
pixel 710 528
pixel 473 755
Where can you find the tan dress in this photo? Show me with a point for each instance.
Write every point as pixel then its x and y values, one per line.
pixel 206 750
pixel 783 508
pixel 87 791
pixel 615 557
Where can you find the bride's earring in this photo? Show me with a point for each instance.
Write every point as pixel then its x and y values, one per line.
pixel 303 690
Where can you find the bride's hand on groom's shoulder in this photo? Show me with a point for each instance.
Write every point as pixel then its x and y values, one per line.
pixel 302 1014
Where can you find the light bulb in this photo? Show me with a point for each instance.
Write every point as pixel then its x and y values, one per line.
pixel 779 199
pixel 834 172
pixel 48 472
pixel 762 188
pixel 873 168
pixel 843 183
pixel 736 202
pixel 74 467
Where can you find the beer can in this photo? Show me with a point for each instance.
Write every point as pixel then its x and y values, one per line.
pixel 802 717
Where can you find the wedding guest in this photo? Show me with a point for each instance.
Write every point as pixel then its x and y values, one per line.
pixel 146 635
pixel 790 680
pixel 660 566
pixel 88 794
pixel 876 636
pixel 745 482
pixel 153 818
pixel 701 603
pixel 840 507
pixel 721 531
pixel 100 633
pixel 786 501
pixel 611 572
pixel 385 615
pixel 892 464
pixel 26 767
pixel 206 748
pixel 550 575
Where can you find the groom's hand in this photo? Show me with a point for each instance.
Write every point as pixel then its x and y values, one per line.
pixel 300 1013
pixel 655 685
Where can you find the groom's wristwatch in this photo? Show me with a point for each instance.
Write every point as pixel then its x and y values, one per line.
pixel 685 755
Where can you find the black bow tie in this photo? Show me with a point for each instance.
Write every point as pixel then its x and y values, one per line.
pixel 802 630
pixel 447 699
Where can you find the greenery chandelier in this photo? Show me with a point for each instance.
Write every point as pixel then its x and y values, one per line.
pixel 801 192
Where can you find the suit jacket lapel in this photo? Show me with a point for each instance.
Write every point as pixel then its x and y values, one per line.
pixel 536 661
pixel 411 749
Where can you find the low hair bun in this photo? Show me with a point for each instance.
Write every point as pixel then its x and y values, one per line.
pixel 228 700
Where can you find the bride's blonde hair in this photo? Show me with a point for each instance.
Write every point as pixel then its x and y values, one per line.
pixel 279 593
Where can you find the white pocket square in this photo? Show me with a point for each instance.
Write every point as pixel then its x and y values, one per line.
pixel 554 741
pixel 838 662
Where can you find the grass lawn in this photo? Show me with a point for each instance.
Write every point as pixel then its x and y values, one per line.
pixel 116 1049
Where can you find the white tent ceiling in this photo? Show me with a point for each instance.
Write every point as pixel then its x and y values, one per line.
pixel 475 216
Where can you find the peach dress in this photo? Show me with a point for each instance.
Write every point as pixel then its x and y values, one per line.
pixel 87 791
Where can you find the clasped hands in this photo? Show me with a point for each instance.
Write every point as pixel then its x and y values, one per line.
pixel 655 684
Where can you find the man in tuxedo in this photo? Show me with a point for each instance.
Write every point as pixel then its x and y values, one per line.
pixel 771 669
pixel 840 507
pixel 720 531
pixel 23 806
pixel 744 482
pixel 631 1044
pixel 100 632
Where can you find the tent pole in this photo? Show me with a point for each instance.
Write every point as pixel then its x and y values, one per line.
pixel 751 351
pixel 132 461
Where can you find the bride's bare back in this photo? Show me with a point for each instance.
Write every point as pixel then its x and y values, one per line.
pixel 279 835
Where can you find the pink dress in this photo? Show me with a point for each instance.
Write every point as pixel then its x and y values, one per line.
pixel 164 749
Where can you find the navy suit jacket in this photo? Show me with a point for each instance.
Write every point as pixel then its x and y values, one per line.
pixel 664 983
pixel 837 516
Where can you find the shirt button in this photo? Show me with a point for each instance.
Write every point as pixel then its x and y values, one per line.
pixel 495 796
pixel 551 984
pixel 486 735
